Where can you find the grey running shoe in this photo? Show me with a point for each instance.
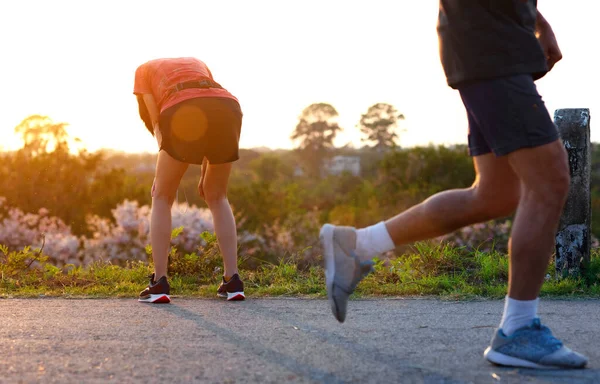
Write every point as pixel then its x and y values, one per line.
pixel 532 347
pixel 343 269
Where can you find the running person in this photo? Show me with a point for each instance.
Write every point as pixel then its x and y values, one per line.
pixel 195 121
pixel 491 52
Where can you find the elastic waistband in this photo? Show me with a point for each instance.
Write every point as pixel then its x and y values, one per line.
pixel 204 84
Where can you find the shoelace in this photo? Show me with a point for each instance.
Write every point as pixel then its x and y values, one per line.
pixel 546 335
pixel 363 268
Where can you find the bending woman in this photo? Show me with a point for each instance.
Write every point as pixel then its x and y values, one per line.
pixel 195 121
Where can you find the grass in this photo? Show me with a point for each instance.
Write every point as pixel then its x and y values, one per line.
pixel 430 270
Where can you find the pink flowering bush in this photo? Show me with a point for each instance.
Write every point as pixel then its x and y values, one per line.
pixel 121 240
pixel 127 238
pixel 488 236
pixel 127 235
pixel 294 240
pixel 19 229
pixel 117 241
pixel 194 222
pixel 484 237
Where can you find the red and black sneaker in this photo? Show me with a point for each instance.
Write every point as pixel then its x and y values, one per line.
pixel 232 290
pixel 157 291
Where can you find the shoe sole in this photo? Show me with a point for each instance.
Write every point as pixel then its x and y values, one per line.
pixel 510 361
pixel 156 299
pixel 326 238
pixel 235 296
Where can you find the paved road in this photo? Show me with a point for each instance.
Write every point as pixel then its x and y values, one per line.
pixel 273 341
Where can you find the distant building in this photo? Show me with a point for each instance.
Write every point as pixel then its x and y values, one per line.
pixel 298 171
pixel 144 167
pixel 340 164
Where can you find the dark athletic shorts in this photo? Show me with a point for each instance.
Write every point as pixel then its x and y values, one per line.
pixel 506 114
pixel 202 127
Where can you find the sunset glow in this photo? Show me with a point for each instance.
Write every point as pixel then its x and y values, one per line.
pixel 74 62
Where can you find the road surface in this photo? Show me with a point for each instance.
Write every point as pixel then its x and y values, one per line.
pixel 274 341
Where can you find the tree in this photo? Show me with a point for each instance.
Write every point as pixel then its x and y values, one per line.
pixel 40 134
pixel 379 125
pixel 270 168
pixel 44 173
pixel 315 132
pixel 415 174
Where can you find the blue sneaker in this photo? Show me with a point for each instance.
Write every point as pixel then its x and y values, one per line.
pixel 532 347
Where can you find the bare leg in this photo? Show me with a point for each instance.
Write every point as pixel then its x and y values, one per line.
pixel 544 172
pixel 215 194
pixel 495 193
pixel 168 175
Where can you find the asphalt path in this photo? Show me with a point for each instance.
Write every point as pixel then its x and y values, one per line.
pixel 274 341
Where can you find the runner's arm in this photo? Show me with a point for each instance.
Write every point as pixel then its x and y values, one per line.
pixel 541 22
pixel 547 39
pixel 152 107
pixel 154 114
pixel 144 115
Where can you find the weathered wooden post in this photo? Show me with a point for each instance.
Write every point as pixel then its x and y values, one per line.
pixel 573 240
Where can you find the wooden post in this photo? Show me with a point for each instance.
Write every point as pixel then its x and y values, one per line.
pixel 573 240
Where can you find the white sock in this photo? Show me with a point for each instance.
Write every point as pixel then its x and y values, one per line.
pixel 518 314
pixel 372 241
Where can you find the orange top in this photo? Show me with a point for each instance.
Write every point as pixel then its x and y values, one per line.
pixel 160 76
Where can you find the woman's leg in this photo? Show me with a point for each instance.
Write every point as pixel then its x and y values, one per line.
pixel 166 180
pixel 214 188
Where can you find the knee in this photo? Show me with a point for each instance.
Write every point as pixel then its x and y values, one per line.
pixel 560 188
pixel 165 194
pixel 497 200
pixel 554 187
pixel 214 196
pixel 563 177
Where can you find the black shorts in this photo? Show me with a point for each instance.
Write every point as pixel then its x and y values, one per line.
pixel 202 127
pixel 506 114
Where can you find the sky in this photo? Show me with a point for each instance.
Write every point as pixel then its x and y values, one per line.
pixel 74 61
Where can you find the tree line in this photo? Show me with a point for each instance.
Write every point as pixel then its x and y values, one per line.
pixel 50 171
pixel 317 129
